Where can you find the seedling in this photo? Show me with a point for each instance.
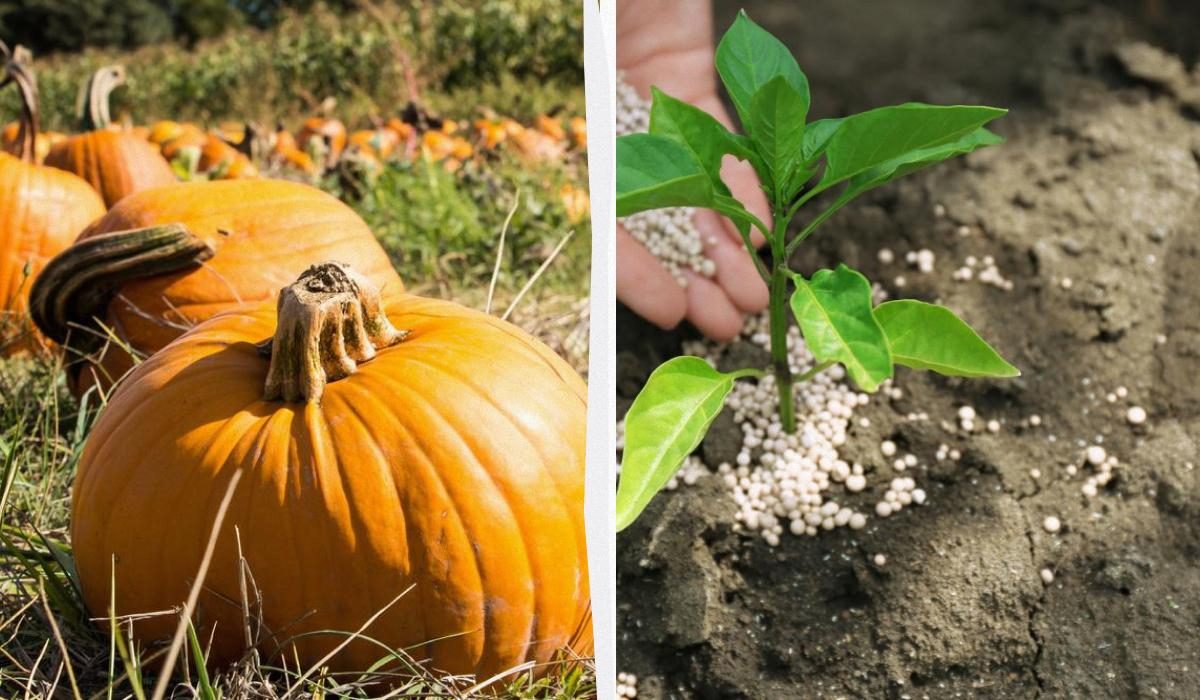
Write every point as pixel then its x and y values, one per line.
pixel 677 164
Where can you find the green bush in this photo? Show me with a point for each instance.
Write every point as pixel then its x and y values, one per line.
pixel 460 51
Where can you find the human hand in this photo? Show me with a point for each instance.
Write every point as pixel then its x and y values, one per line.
pixel 669 44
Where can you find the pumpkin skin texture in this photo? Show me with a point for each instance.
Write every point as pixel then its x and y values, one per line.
pixel 48 209
pixel 452 460
pixel 45 209
pixel 116 163
pixel 262 234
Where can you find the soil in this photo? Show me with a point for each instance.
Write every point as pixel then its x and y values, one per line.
pixel 1100 183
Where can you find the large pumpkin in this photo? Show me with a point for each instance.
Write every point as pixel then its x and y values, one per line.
pixel 165 259
pixel 44 209
pixel 447 457
pixel 116 163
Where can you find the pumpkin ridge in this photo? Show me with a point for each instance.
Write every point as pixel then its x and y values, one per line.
pixel 515 334
pixel 417 553
pixel 98 446
pixel 534 447
pixel 518 525
pixel 322 450
pixel 435 474
pixel 507 329
pixel 465 381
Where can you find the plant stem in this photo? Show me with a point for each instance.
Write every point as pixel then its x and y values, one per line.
pixel 816 369
pixel 779 324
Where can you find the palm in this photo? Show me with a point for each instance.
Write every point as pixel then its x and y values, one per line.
pixel 669 45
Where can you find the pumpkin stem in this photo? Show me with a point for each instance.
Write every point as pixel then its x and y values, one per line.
pixel 93 108
pixel 330 320
pixel 18 69
pixel 74 289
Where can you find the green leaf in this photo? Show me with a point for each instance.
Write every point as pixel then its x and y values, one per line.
pixel 834 313
pixel 922 158
pixel 666 422
pixel 776 125
pixel 897 167
pixel 748 57
pixel 864 141
pixel 699 132
pixel 205 690
pixel 928 336
pixel 655 171
pixel 816 138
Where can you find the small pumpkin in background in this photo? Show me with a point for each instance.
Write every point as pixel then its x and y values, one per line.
pixel 224 161
pixel 403 130
pixel 185 147
pixel 116 163
pixel 404 457
pixel 286 152
pixel 579 132
pixel 535 146
pixel 551 126
pixel 166 259
pixel 166 130
pixel 44 210
pixel 42 144
pixel 330 135
pixel 491 132
pixel 380 143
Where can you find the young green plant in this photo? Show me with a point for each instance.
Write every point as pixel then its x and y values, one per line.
pixel 677 164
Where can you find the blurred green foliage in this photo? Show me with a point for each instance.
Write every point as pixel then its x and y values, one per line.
pixel 526 54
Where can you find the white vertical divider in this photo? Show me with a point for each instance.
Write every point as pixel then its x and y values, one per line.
pixel 599 49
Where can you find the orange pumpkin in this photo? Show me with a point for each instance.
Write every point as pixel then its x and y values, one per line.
pixel 239 168
pixel 402 129
pixel 396 455
pixel 218 155
pixel 138 268
pixel 536 146
pixel 491 133
pixel 330 132
pixel 286 152
pixel 116 163
pixel 45 209
pixel 437 144
pixel 162 132
pixel 380 143
pixel 579 132
pixel 576 201
pixel 187 145
pixel 551 126
pixel 13 143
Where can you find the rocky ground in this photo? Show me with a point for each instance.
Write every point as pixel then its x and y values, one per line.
pixel 1092 211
